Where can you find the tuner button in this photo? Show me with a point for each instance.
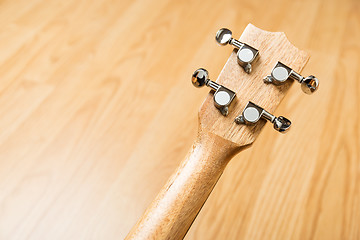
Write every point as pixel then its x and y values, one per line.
pixel 200 77
pixel 310 84
pixel 282 124
pixel 222 95
pixel 223 36
pixel 222 98
pixel 252 114
pixel 245 54
pixel 281 73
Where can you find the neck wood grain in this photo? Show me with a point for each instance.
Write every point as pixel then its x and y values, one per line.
pixel 172 212
pixel 175 208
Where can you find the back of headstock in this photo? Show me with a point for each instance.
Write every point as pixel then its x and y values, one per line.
pixel 273 47
pixel 256 85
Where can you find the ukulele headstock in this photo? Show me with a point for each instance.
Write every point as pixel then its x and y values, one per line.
pixel 249 87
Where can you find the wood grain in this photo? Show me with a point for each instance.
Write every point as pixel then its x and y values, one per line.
pixel 175 208
pixel 97 110
pixel 273 47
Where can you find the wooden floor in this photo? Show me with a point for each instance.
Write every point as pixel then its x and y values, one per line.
pixel 97 110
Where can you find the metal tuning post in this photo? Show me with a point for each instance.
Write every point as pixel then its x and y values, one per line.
pixel 281 73
pixel 245 54
pixel 222 96
pixel 252 114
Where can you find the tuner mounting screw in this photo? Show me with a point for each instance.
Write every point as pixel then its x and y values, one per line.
pixel 222 96
pixel 281 73
pixel 245 54
pixel 252 114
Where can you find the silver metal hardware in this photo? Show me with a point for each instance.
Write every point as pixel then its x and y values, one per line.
pixel 245 54
pixel 222 96
pixel 281 73
pixel 252 114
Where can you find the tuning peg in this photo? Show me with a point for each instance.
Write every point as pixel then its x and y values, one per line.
pixel 252 114
pixel 282 73
pixel 222 96
pixel 245 55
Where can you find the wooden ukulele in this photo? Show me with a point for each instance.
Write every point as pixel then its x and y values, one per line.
pixel 230 119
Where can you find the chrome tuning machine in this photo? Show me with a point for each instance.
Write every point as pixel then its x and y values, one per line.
pixel 281 73
pixel 222 96
pixel 252 114
pixel 245 54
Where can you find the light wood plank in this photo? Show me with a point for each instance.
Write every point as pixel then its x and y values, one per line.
pixel 98 110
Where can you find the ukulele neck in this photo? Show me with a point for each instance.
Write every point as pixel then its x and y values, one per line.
pixel 173 211
pixel 220 138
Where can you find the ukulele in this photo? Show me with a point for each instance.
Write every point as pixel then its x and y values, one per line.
pixel 254 80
